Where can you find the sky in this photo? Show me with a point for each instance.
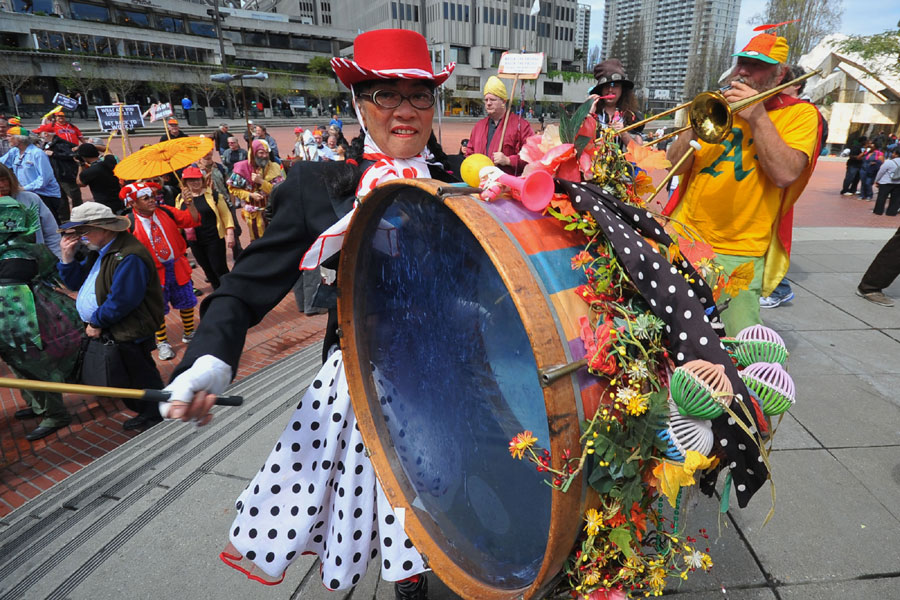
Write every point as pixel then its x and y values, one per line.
pixel 878 16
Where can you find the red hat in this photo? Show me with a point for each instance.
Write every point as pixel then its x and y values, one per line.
pixel 192 173
pixel 46 127
pixel 298 130
pixel 389 54
pixel 133 191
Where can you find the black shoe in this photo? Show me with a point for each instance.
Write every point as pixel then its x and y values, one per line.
pixel 25 413
pixel 407 590
pixel 41 432
pixel 140 422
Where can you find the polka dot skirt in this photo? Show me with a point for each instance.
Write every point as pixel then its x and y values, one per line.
pixel 317 493
pixel 683 306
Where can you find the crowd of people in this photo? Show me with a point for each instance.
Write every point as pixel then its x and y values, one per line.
pixel 125 252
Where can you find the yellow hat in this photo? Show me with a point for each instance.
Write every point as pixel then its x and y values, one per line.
pixel 495 87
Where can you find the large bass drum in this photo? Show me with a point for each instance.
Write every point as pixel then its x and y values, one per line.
pixel 450 310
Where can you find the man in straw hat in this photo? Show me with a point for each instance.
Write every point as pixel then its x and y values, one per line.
pixel 485 136
pixel 738 194
pixel 119 299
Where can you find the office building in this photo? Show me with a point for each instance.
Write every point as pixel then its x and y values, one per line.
pixel 475 34
pixel 672 48
pixel 583 32
pixel 142 50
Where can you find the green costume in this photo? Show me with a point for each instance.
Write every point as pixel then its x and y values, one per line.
pixel 40 330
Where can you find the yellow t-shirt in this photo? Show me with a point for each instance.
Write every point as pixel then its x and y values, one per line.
pixel 729 201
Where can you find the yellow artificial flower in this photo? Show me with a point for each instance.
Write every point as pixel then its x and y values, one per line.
pixel 657 579
pixel 673 476
pixel 592 578
pixel 635 403
pixel 594 521
pixel 520 443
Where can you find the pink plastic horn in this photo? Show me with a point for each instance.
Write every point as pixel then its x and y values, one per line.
pixel 536 190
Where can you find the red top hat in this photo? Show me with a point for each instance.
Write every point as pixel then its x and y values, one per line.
pixel 389 54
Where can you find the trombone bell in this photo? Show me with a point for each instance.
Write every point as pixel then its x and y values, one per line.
pixel 710 117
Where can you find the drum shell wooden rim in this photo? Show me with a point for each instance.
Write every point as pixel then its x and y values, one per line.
pixel 549 350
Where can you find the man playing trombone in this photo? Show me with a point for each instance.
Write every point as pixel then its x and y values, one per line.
pixel 736 194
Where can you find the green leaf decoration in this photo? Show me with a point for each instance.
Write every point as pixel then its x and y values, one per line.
pixel 622 538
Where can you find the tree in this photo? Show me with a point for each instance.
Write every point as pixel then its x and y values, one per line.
pixel 121 84
pixel 81 77
pixel 884 46
pixel 815 19
pixel 274 87
pixel 14 83
pixel 322 88
pixel 164 89
pixel 206 88
pixel 629 47
pixel 320 65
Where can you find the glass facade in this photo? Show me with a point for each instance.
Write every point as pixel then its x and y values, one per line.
pixel 89 12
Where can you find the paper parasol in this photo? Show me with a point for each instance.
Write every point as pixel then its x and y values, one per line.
pixel 164 157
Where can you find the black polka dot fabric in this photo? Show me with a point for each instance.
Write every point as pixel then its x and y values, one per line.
pixel 683 306
pixel 317 493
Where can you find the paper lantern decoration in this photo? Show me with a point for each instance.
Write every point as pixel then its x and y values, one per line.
pixel 772 385
pixel 759 343
pixel 699 388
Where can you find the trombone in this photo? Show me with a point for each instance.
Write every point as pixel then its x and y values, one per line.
pixel 711 116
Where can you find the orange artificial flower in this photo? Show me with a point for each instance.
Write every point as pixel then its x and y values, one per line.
pixel 581 259
pixel 647 158
pixel 520 443
pixel 643 184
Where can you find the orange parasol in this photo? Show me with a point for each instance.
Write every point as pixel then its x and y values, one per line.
pixel 164 157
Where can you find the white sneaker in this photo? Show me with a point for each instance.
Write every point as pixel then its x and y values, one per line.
pixel 773 300
pixel 165 351
pixel 186 338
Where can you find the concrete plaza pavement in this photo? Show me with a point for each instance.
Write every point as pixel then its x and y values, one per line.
pixel 148 519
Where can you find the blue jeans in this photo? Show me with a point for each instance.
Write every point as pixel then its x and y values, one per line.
pixel 866 181
pixel 783 289
pixel 851 179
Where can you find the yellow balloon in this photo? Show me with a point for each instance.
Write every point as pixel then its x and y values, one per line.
pixel 471 166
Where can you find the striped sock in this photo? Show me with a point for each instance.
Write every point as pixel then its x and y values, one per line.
pixel 161 334
pixel 187 319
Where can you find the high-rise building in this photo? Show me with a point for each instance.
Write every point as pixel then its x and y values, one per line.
pixel 673 49
pixel 475 33
pixel 583 32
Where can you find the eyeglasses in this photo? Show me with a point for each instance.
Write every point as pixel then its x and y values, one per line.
pixel 392 99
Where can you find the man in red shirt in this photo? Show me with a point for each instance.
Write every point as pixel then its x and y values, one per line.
pixel 65 130
pixel 485 136
pixel 158 228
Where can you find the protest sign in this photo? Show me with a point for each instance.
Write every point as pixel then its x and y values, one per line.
pixel 108 116
pixel 66 102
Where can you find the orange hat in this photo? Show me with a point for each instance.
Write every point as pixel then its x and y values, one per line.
pixel 172 121
pixel 767 47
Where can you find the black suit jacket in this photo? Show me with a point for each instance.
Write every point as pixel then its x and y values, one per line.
pixel 307 203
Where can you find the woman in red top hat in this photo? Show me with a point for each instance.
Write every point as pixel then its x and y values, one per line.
pixel 317 492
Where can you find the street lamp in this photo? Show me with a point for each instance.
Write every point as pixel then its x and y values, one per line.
pixel 214 13
pixel 227 78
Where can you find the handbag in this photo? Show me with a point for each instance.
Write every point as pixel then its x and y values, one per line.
pixel 102 363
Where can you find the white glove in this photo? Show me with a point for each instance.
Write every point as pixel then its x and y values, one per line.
pixel 208 373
